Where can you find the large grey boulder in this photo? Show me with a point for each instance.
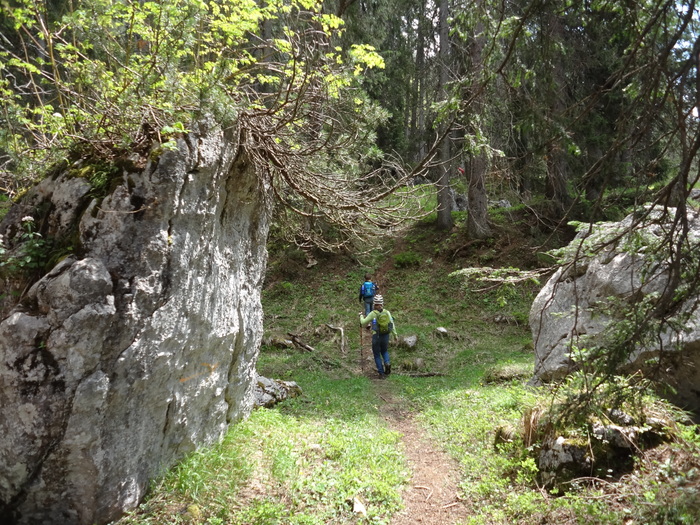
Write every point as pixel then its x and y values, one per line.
pixel 572 311
pixel 141 345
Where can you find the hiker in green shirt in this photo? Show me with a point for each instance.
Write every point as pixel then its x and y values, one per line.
pixel 382 328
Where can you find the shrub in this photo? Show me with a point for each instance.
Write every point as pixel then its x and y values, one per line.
pixel 406 260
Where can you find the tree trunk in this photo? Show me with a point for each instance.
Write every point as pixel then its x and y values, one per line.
pixel 477 202
pixel 478 164
pixel 557 177
pixel 444 196
pixel 557 161
pixel 418 110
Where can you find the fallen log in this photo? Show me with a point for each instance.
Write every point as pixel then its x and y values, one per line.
pixel 301 344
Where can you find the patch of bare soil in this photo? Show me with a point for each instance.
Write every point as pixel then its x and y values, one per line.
pixel 432 494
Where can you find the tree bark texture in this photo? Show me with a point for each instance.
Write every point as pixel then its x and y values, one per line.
pixel 444 197
pixel 477 202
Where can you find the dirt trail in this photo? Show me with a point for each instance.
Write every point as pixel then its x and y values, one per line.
pixel 431 496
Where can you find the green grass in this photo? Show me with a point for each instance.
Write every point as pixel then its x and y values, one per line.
pixel 307 459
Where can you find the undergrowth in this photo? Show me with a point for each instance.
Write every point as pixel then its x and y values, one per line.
pixel 313 459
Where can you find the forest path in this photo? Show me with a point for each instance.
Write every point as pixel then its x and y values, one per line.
pixel 431 496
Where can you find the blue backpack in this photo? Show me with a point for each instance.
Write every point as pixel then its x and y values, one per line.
pixel 368 289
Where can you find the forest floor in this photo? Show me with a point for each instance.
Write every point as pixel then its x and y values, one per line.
pixel 431 497
pixel 418 446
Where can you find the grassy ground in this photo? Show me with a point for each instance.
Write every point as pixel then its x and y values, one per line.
pixel 311 459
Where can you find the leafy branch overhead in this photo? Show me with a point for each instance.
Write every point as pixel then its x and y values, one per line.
pixel 123 76
pixel 500 276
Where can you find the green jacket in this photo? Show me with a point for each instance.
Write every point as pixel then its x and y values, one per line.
pixel 364 321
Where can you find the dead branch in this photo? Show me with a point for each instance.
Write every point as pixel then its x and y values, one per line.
pixel 301 344
pixel 343 343
pixel 421 374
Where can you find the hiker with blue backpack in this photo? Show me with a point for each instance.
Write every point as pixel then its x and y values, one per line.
pixel 367 292
pixel 382 327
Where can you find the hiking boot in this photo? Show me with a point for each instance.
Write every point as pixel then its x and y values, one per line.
pixel 382 376
pixel 387 369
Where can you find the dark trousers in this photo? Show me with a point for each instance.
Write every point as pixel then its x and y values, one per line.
pixel 380 349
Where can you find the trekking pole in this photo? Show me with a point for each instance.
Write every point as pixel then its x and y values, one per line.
pixel 362 359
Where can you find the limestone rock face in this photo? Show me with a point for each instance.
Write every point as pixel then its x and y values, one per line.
pixel 562 459
pixel 607 451
pixel 141 345
pixel 573 308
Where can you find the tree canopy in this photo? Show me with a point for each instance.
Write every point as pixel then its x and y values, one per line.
pixel 103 78
pixel 585 107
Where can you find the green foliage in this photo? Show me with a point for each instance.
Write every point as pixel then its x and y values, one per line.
pixel 115 74
pixel 592 238
pixel 585 395
pixel 669 489
pixel 5 204
pixel 263 512
pixel 502 215
pixel 99 173
pixel 29 253
pixel 134 76
pixel 407 260
pixel 551 63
